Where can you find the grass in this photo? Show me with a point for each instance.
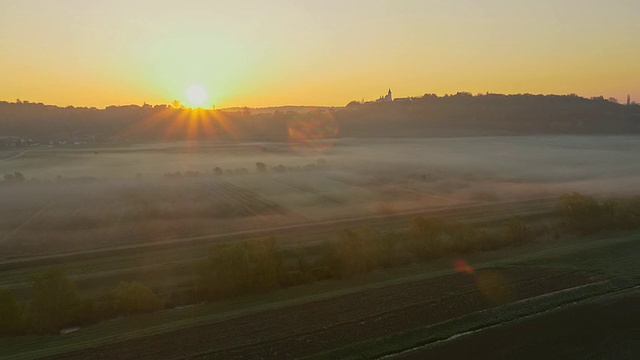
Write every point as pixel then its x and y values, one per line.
pixel 570 252
pixel 99 272
pixel 615 257
pixel 427 335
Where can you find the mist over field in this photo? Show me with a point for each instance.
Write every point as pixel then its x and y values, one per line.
pixel 80 197
pixel 319 179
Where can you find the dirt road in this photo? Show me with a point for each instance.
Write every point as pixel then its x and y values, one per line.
pixel 472 213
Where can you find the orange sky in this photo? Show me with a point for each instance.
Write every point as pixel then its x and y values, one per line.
pixel 303 52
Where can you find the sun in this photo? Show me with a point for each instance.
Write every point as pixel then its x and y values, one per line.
pixel 196 95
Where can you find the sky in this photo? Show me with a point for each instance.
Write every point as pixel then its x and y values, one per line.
pixel 306 52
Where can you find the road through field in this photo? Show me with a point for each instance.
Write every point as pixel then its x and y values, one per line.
pixel 21 153
pixel 473 213
pixel 166 263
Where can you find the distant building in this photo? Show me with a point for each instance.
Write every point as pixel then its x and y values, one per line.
pixel 387 98
pixel 628 99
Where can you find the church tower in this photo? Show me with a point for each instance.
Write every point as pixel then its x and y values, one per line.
pixel 389 96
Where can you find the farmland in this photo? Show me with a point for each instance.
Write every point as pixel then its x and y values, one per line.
pixel 381 313
pixel 78 198
pixel 149 212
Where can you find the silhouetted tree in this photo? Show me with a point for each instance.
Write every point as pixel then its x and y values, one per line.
pixel 261 167
pixel 432 115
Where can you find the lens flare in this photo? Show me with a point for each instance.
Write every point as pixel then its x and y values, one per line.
pixel 494 286
pixel 171 124
pixel 462 266
pixel 311 129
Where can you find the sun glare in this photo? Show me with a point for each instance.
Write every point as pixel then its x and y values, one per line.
pixel 196 95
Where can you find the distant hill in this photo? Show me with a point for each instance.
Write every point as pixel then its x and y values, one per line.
pixel 457 115
pixel 279 109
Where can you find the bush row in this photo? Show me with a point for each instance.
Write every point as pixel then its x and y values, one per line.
pixel 257 266
pixel 56 304
pixel 585 215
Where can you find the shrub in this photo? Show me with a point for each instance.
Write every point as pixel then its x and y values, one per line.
pixel 261 167
pixel 133 298
pixel 301 271
pixel 426 238
pixel 581 213
pixel 12 322
pixel 56 302
pixel 356 252
pixel 236 269
pixel 386 250
pixel 622 214
pixel 265 264
pixel 462 238
pixel 517 231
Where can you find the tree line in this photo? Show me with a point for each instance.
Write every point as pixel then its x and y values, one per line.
pixel 428 115
pixel 261 168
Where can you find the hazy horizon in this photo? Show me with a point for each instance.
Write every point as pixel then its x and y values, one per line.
pixel 306 53
pixel 310 105
pixel 296 179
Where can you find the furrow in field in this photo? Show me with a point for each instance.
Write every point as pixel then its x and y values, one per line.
pixel 250 197
pixel 302 330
